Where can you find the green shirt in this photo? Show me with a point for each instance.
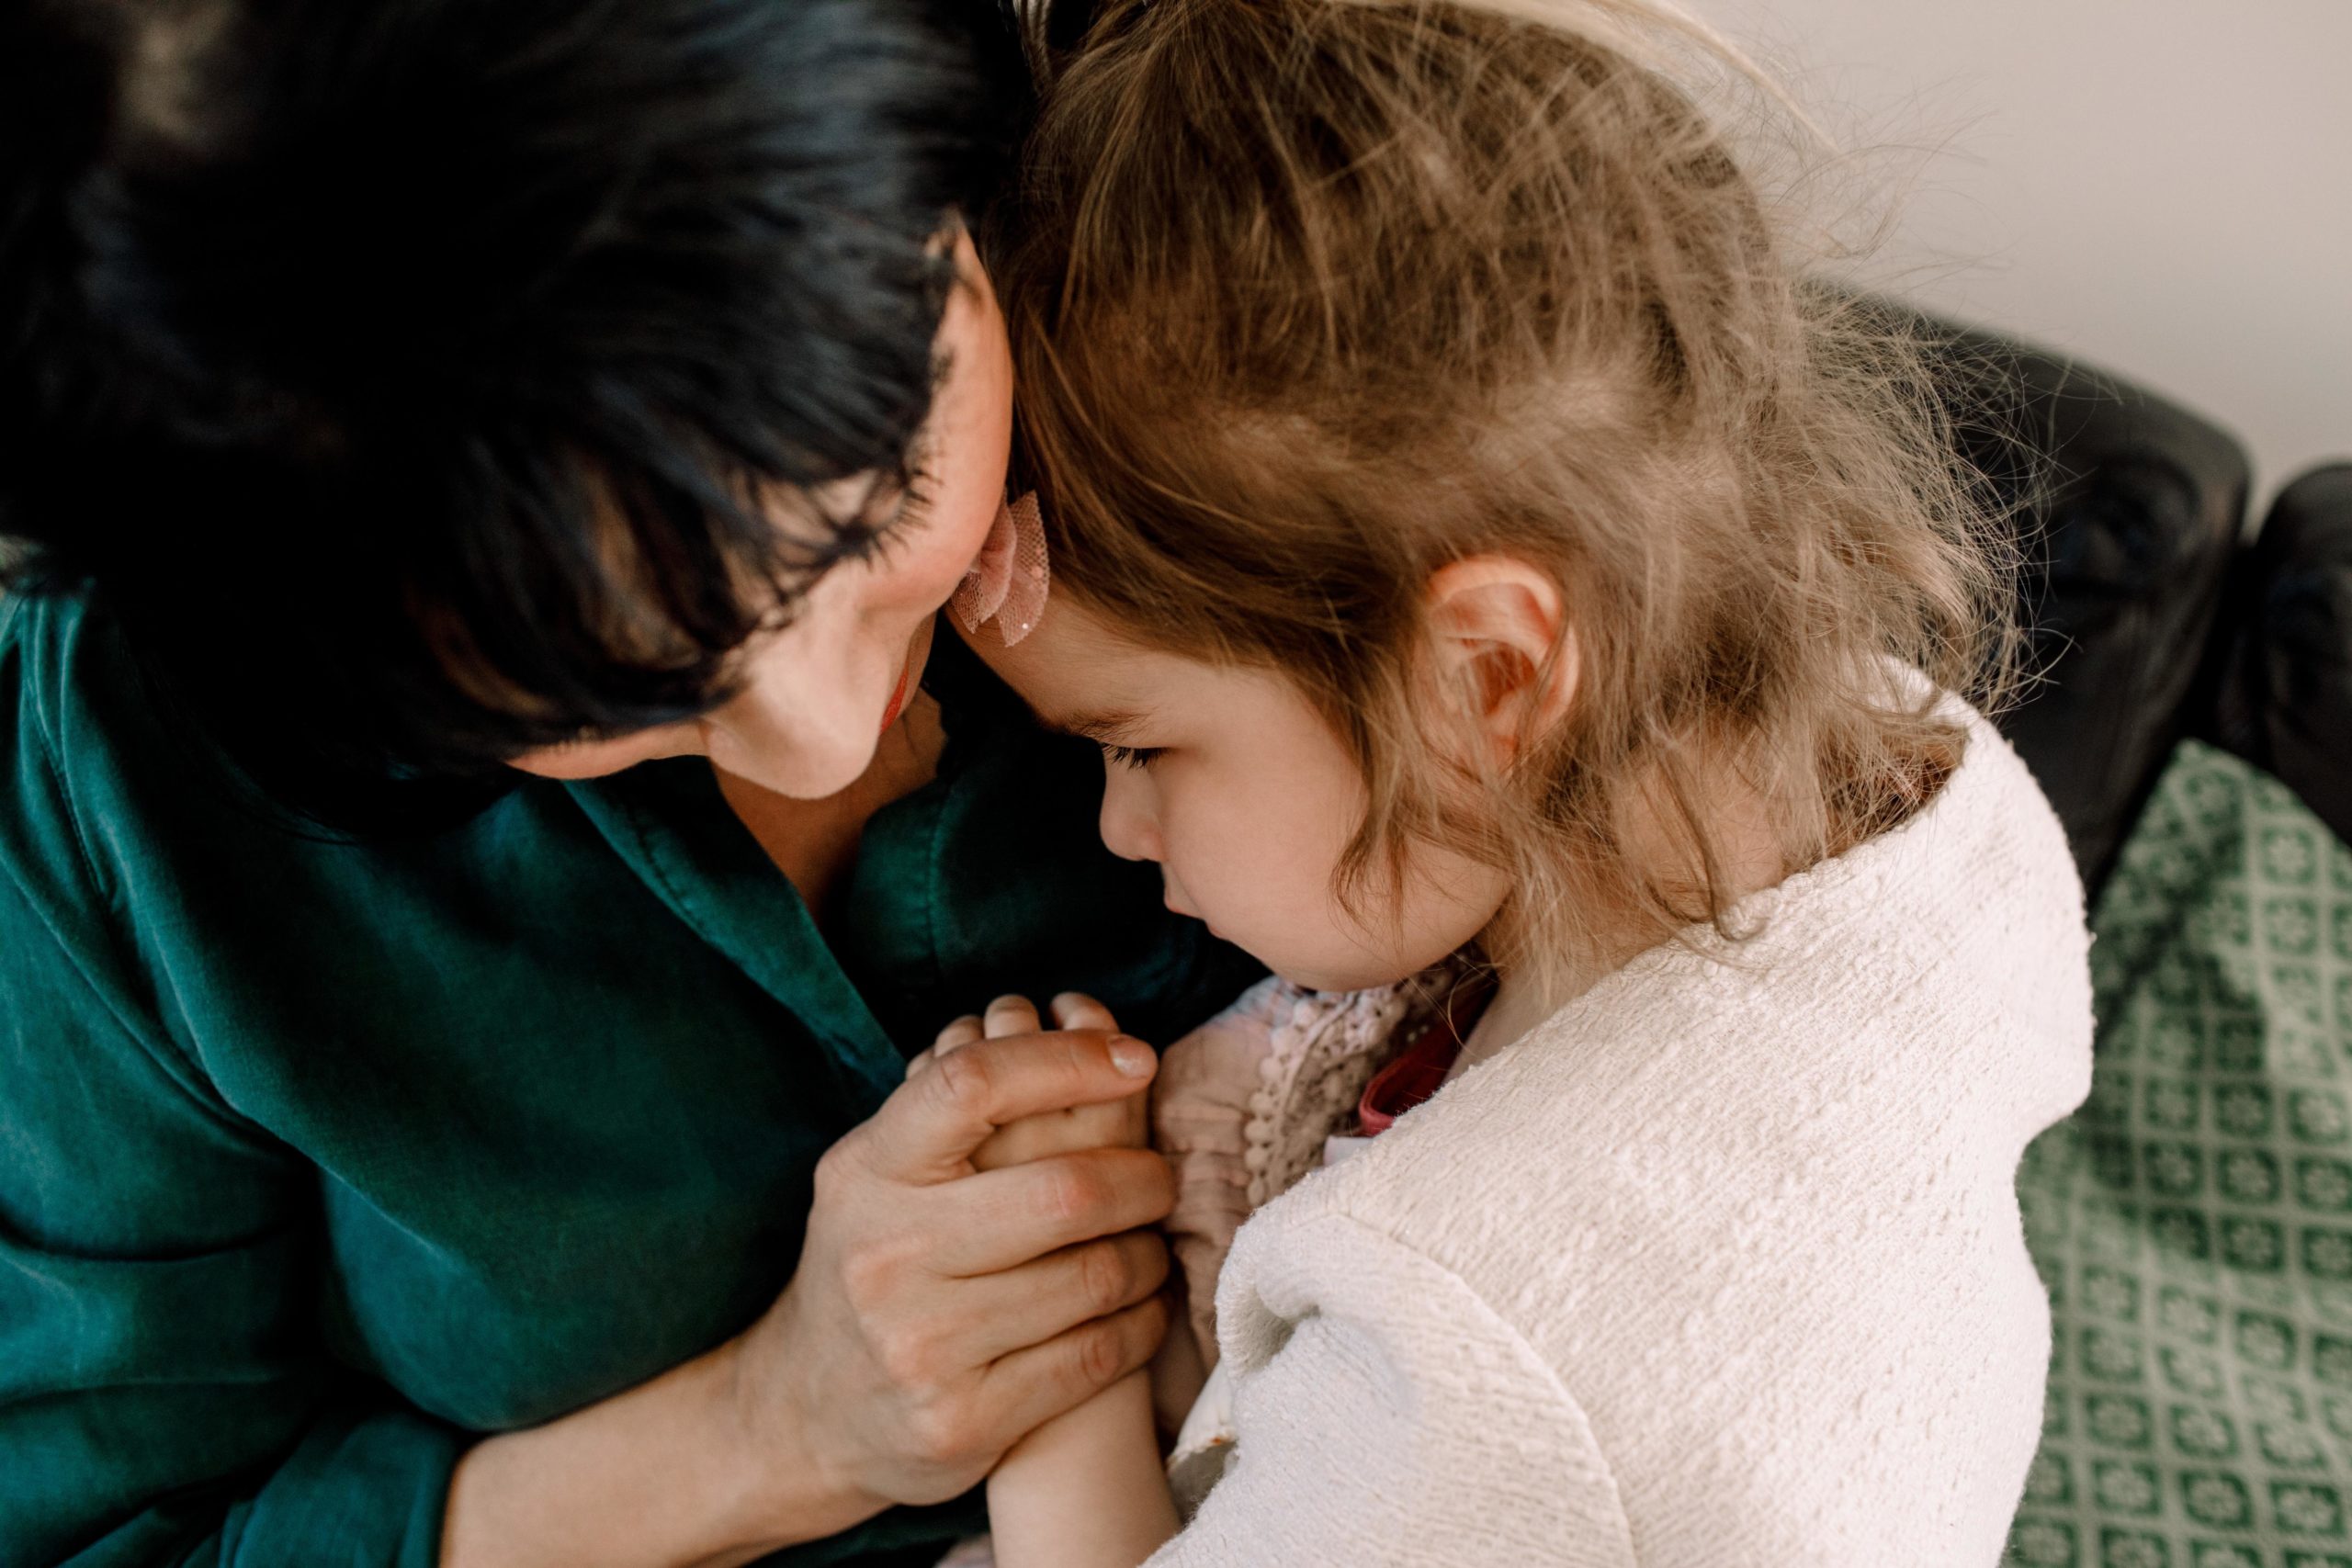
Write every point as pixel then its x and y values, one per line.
pixel 318 1159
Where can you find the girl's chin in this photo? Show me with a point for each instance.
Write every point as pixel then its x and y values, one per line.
pixel 1314 976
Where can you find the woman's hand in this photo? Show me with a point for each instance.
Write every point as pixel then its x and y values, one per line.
pixel 1116 1124
pixel 938 1314
pixel 948 1301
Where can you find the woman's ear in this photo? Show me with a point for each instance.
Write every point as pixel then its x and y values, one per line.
pixel 1500 646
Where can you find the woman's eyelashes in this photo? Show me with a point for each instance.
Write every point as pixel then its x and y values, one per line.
pixel 1132 756
pixel 889 516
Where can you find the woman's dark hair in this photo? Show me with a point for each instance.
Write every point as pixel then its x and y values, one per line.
pixel 405 378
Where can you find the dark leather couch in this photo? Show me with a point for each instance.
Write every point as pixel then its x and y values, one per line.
pixel 2283 688
pixel 2149 619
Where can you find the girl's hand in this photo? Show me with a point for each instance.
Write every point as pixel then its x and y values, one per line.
pixel 1199 1113
pixel 1112 1124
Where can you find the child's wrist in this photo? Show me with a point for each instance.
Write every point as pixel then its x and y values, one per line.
pixel 1085 1490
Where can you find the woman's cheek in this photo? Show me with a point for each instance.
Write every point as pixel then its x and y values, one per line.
pixel 929 577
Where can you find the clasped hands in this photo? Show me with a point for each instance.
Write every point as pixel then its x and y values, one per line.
pixel 1194 1112
pixel 980 1257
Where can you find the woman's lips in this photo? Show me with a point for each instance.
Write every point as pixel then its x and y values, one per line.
pixel 898 694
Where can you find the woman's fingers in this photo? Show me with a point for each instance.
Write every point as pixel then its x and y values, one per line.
pixel 1011 1015
pixel 926 1131
pixel 1033 1385
pixel 1000 1219
pixel 1121 1123
pixel 1040 1300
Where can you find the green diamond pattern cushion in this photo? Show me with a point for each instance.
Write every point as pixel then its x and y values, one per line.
pixel 2193 1221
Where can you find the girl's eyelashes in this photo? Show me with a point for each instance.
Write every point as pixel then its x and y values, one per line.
pixel 1132 756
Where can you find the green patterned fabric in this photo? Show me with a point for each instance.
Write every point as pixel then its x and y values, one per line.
pixel 2193 1221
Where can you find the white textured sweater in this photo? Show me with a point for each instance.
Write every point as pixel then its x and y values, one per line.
pixel 1721 1265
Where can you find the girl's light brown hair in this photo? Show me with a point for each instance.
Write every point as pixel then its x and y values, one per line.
pixel 1311 296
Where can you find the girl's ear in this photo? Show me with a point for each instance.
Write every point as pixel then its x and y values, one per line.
pixel 1502 647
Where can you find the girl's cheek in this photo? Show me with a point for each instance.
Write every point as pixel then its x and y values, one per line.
pixel 1227 859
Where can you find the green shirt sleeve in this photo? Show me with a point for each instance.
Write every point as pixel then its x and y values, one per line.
pixel 163 1394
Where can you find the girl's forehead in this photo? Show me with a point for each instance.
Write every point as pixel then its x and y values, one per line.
pixel 1072 665
pixel 1077 674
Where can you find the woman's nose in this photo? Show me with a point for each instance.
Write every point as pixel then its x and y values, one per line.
pixel 1129 829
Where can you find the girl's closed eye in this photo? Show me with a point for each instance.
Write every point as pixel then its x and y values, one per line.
pixel 1133 756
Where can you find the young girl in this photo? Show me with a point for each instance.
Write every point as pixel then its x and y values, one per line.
pixel 1483 559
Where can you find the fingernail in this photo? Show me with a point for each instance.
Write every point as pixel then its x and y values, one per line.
pixel 1132 1057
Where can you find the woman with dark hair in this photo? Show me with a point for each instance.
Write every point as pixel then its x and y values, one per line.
pixel 486 818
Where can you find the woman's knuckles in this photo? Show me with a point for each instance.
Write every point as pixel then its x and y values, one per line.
pixel 1097 1355
pixel 1107 1277
pixel 1071 1193
pixel 1108 1349
pixel 944 1431
pixel 922 1359
pixel 1078 1197
pixel 878 1272
pixel 961 1085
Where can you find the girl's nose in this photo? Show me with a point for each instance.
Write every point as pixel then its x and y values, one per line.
pixel 1129 828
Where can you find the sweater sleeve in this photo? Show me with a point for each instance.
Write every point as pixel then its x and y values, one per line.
pixel 1386 1414
pixel 164 1396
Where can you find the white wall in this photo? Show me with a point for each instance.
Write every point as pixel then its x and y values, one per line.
pixel 2162 186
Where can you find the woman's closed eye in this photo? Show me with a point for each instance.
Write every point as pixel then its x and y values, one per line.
pixel 889 518
pixel 1132 756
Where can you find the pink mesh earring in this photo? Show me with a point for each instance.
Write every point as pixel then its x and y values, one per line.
pixel 1007 583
